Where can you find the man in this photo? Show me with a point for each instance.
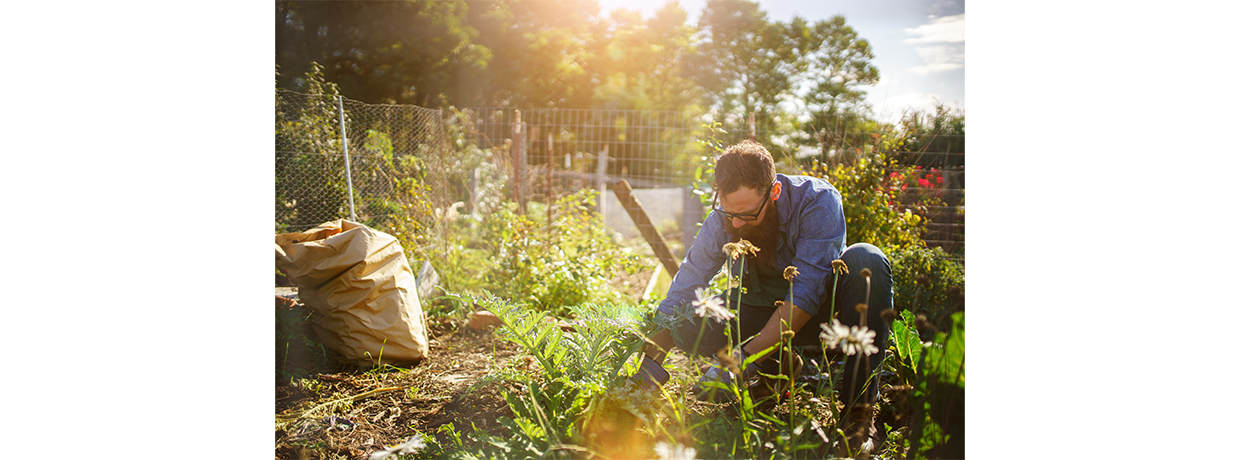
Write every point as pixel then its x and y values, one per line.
pixel 795 221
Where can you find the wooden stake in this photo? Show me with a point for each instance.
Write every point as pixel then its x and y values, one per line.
pixel 625 194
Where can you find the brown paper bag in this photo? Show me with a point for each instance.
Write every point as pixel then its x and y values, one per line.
pixel 360 286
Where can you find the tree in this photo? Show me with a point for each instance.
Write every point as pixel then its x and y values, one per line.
pixel 838 64
pixel 379 52
pixel 540 49
pixel 641 64
pixel 746 64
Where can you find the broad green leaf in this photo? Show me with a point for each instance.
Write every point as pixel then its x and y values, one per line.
pixel 908 343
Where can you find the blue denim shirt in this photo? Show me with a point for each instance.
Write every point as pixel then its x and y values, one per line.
pixel 811 218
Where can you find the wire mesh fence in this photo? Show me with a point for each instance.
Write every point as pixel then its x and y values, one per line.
pixel 396 167
pixel 376 170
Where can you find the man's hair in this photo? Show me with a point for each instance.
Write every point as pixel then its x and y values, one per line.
pixel 745 164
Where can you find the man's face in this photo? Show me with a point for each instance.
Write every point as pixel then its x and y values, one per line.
pixel 747 201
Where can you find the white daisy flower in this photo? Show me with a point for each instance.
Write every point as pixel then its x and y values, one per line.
pixel 674 452
pixel 709 306
pixel 859 340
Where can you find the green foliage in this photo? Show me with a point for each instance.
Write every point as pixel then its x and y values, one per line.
pixel 704 169
pixel 926 281
pixel 938 398
pixel 871 211
pixel 379 52
pixel 298 354
pixel 311 185
pixel 407 212
pixel 907 342
pixel 310 182
pixel 552 409
pixel 552 269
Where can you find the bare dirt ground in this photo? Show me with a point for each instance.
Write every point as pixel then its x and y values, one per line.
pixel 447 387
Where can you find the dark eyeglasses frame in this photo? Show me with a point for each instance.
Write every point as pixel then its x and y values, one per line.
pixel 744 217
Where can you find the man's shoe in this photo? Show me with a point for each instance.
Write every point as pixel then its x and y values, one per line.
pixel 712 386
pixel 860 431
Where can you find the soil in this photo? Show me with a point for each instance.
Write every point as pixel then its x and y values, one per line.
pixel 446 387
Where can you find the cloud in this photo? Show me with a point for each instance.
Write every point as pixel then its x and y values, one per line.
pixel 944 38
pixel 939 58
pixel 948 29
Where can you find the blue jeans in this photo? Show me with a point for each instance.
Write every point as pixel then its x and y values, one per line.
pixel 850 291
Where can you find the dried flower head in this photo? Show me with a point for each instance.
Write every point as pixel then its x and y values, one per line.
pixel 730 359
pixel 779 303
pixel 838 267
pixel 787 335
pixel 888 315
pixel 861 308
pixel 710 306
pixel 746 247
pixel 732 250
pixel 791 272
pixel 866 272
pixel 924 326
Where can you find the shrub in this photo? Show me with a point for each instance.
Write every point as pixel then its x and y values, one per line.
pixel 515 256
pixel 926 282
pixel 871 207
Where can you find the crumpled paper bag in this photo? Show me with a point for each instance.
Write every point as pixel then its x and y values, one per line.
pixel 360 286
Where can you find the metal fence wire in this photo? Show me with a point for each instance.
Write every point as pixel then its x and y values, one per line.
pixel 371 171
pixel 394 167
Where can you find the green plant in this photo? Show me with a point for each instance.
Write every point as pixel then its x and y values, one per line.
pixel 310 184
pixel 907 344
pixel 552 269
pixel 927 282
pixel 555 409
pixel 298 354
pixel 937 429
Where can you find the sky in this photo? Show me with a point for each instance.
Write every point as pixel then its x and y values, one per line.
pixel 918 45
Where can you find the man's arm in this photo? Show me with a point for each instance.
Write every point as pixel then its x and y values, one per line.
pixel 700 264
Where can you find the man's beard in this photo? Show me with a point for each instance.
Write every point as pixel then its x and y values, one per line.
pixel 764 235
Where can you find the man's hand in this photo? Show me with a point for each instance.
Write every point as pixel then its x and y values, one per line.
pixel 787 318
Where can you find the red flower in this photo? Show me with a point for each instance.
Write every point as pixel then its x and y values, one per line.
pixel 923 183
pixel 939 180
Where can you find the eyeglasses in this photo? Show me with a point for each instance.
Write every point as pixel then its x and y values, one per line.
pixel 744 217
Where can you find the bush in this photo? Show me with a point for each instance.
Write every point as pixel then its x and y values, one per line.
pixel 517 257
pixel 871 210
pixel 927 282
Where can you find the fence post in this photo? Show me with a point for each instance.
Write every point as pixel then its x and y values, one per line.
pixel 348 175
pixel 753 129
pixel 550 178
pixel 516 162
pixel 602 186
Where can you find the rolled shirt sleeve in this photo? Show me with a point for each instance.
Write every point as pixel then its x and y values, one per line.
pixel 702 261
